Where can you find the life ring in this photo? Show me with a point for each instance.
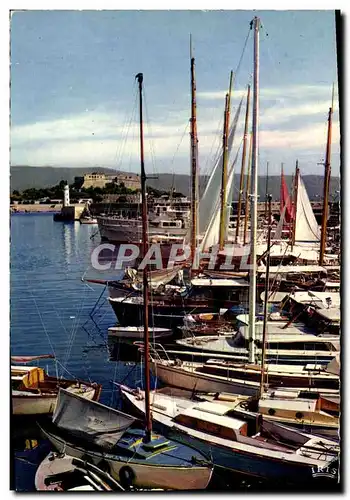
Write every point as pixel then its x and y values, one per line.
pixel 126 476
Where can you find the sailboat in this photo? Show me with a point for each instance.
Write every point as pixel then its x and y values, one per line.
pixel 34 392
pixel 236 444
pixel 285 348
pixel 269 451
pixel 244 378
pixel 201 295
pixel 132 454
pixel 306 240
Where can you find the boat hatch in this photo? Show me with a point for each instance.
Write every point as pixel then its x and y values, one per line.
pixel 287 405
pixel 213 408
pixel 220 426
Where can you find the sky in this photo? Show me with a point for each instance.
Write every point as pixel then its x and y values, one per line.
pixel 74 96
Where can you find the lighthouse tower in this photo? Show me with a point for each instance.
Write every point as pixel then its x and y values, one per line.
pixel 66 201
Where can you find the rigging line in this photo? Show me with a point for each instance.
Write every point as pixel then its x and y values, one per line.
pixel 236 189
pixel 132 141
pixel 74 330
pixel 43 325
pixel 87 369
pixel 242 54
pixel 279 103
pixel 213 158
pixel 126 128
pixel 130 126
pixel 57 362
pixel 104 313
pixel 123 134
pixel 179 144
pixel 70 335
pixel 149 127
pixel 233 129
pixel 98 300
pixel 66 370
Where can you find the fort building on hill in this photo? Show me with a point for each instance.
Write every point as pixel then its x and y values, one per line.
pixel 99 179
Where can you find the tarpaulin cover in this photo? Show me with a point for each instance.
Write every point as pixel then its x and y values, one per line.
pixel 89 420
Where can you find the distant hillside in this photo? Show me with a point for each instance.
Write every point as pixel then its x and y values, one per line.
pixel 24 177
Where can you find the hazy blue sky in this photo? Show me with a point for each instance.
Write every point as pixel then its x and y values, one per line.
pixel 73 91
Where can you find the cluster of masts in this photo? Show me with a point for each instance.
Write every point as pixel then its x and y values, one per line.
pixel 222 428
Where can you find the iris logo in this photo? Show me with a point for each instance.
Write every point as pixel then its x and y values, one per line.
pixel 328 471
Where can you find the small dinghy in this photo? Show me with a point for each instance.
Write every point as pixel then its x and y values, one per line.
pixel 137 332
pixel 60 472
pixel 35 393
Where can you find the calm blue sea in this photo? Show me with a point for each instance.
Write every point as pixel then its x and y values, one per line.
pixel 51 314
pixel 54 312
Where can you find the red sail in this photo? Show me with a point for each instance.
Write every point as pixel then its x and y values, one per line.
pixel 286 201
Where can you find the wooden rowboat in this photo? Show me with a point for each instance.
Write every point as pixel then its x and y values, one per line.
pixel 35 393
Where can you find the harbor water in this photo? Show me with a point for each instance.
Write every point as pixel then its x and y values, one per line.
pixel 51 314
pixel 53 311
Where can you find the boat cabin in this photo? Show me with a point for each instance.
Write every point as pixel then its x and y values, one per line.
pixel 295 409
pixel 166 224
pixel 210 418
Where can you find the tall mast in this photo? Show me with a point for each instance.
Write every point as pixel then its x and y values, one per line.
pixel 244 152
pixel 247 192
pixel 296 182
pixel 194 157
pixel 148 422
pixel 281 191
pixel 327 177
pixel 282 207
pixel 266 188
pixel 267 278
pixel 254 196
pixel 224 166
pixel 291 223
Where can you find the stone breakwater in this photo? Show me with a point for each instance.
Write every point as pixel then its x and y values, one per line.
pixel 33 208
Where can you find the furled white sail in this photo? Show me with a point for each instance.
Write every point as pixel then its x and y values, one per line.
pixel 306 227
pixel 207 204
pixel 211 236
pixel 278 232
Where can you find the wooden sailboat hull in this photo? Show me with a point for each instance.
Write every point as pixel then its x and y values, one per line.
pixel 193 380
pixel 329 432
pixel 233 456
pixel 33 405
pixel 26 403
pixel 145 475
pixel 248 464
pixel 221 346
pixel 169 316
pixel 137 332
pixel 199 382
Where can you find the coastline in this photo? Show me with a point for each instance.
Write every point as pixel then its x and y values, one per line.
pixel 33 208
